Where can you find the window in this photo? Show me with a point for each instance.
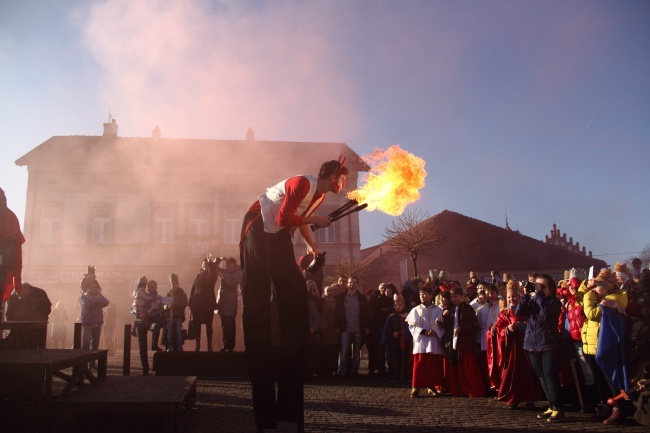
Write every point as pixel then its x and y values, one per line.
pixel 232 220
pixel 198 222
pixel 164 225
pixel 50 225
pixel 101 225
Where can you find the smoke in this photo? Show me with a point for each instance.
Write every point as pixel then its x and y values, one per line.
pixel 211 70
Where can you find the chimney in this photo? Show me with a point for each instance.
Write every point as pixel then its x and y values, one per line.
pixel 110 129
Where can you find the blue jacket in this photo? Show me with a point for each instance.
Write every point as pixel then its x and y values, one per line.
pixel 542 332
pixel 91 309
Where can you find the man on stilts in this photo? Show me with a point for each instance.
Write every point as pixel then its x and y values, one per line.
pixel 268 260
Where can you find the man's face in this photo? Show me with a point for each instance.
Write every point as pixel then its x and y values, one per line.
pixel 352 284
pixel 337 183
pixel 456 299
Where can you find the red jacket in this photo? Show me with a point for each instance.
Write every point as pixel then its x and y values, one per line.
pixel 576 316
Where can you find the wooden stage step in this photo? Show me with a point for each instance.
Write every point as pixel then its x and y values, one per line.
pixel 126 401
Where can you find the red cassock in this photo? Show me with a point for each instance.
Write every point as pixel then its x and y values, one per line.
pixel 519 383
pixel 10 229
pixel 495 348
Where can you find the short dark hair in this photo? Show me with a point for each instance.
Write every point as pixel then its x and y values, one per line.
pixel 427 289
pixel 552 285
pixel 332 167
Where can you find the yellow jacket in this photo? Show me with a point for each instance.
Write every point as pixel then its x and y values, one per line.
pixel 593 315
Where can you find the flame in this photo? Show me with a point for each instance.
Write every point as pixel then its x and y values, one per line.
pixel 394 181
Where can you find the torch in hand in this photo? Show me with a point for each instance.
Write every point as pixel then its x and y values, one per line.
pixel 337 214
pixel 343 211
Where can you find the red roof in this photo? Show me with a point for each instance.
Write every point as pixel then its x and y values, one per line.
pixel 469 244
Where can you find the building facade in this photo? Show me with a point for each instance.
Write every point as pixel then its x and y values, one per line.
pixel 152 206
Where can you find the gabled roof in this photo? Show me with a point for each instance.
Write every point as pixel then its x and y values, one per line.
pixel 469 244
pixel 125 152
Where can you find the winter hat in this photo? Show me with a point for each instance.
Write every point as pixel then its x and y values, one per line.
pixel 621 270
pixel 605 278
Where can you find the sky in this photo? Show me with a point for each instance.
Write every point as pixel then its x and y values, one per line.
pixel 537 109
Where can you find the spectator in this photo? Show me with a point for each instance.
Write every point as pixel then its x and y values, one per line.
pixel 142 301
pixel 517 383
pixel 486 315
pixel 314 348
pixel 601 291
pixel 59 319
pixel 397 340
pixel 203 301
pixel 227 303
pixel 376 320
pixel 427 350
pixel 353 316
pixel 542 341
pixel 29 304
pixel 459 322
pixel 92 317
pixel 175 315
pixel 330 329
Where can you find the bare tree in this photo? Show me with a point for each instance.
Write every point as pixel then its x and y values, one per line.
pixel 348 267
pixel 410 234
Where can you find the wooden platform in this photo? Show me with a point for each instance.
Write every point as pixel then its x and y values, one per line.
pixel 202 364
pixel 136 403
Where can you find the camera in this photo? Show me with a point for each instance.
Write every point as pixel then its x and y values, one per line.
pixel 528 287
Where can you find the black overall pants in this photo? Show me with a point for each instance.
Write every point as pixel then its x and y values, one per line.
pixel 267 259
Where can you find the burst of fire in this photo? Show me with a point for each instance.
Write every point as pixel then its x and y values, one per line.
pixel 395 179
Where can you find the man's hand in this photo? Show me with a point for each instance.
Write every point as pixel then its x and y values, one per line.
pixel 320 221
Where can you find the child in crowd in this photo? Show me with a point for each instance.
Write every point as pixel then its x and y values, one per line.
pixel 463 376
pixel 427 351
pixel 396 339
pixel 517 381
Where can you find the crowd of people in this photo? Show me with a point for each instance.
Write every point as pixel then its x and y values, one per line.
pixel 582 341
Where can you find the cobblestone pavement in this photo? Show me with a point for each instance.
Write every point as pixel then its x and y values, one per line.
pixel 375 405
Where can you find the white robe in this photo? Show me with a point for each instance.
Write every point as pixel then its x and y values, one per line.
pixel 486 316
pixel 421 318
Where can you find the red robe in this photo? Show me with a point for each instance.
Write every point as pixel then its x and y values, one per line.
pixel 519 383
pixel 10 229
